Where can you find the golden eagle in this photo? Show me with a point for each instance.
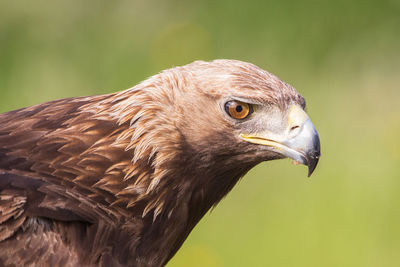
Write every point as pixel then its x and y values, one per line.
pixel 121 179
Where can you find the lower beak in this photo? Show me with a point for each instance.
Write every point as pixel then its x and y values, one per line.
pixel 303 147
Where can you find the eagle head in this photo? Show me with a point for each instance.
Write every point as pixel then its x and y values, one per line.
pixel 218 116
pixel 236 114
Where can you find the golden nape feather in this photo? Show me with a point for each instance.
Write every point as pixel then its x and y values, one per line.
pixel 121 179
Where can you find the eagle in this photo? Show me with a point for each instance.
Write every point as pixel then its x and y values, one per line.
pixel 121 179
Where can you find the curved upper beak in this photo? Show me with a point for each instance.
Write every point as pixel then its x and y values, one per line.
pixel 300 141
pixel 305 146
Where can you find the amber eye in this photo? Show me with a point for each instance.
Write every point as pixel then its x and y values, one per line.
pixel 238 110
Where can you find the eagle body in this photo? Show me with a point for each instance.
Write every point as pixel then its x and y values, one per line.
pixel 121 179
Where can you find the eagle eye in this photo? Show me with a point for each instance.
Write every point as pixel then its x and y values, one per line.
pixel 238 110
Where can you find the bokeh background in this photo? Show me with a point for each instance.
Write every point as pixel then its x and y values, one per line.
pixel 343 56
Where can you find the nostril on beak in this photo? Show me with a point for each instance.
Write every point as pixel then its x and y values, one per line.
pixel 294 130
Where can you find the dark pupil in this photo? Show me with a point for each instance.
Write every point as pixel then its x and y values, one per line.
pixel 239 108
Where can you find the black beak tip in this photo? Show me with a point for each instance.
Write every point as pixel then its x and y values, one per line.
pixel 313 157
pixel 312 164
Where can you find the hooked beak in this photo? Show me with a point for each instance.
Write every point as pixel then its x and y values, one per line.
pixel 300 142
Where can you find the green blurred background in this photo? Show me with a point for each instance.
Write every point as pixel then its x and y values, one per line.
pixel 343 56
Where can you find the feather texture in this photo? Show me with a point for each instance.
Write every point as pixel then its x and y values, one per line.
pixel 121 179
